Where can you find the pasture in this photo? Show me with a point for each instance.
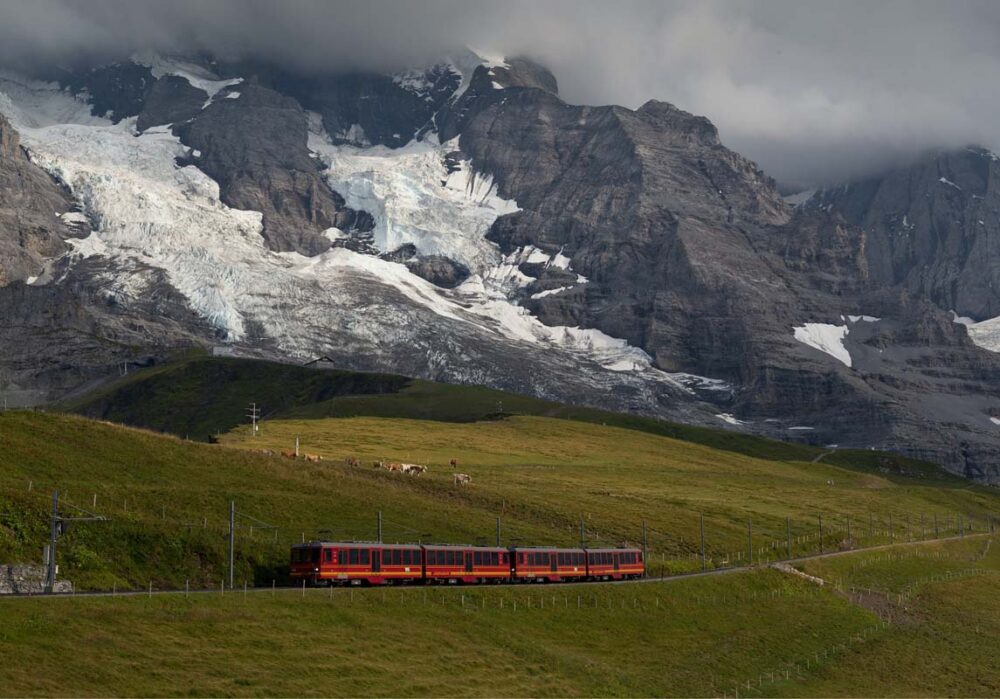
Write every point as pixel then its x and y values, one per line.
pixel 761 633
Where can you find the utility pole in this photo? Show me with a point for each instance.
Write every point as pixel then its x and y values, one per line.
pixel 704 562
pixel 821 533
pixel 253 412
pixel 750 538
pixel 56 529
pixel 50 578
pixel 498 532
pixel 849 543
pixel 788 537
pixel 892 532
pixel 380 526
pixel 644 541
pixel 232 538
pixel 296 446
pixel 583 534
pixel 937 533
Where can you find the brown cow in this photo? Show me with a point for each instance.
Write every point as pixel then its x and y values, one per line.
pixel 288 454
pixel 394 466
pixel 454 463
pixel 352 461
pixel 315 458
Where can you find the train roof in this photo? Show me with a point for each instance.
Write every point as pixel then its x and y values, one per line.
pixel 349 544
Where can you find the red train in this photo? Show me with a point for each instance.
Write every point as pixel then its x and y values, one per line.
pixel 332 563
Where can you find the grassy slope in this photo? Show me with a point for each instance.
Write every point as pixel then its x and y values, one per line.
pixel 196 396
pixel 168 499
pixel 200 396
pixel 695 637
pixel 943 639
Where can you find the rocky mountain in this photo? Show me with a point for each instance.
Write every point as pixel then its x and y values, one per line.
pixel 462 222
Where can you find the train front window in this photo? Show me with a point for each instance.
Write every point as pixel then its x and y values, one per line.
pixel 328 555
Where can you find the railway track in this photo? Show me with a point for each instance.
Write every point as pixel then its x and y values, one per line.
pixel 646 580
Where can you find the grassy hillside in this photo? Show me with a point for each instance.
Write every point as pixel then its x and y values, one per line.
pixel 693 637
pixel 168 498
pixel 198 396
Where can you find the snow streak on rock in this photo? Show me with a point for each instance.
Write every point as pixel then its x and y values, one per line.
pixel 826 338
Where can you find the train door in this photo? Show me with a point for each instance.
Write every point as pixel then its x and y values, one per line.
pixel 616 557
pixel 376 560
pixel 468 560
pixel 553 562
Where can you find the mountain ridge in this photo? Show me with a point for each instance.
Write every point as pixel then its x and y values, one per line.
pixel 612 255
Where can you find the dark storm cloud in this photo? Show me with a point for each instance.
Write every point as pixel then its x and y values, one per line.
pixel 814 91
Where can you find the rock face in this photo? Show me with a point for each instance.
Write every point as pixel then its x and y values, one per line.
pixel 172 100
pixel 932 228
pixel 28 580
pixel 254 146
pixel 826 323
pixel 31 203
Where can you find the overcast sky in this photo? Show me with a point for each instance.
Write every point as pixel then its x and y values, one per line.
pixel 813 91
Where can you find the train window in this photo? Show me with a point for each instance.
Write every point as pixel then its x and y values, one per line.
pixel 364 557
pixel 352 556
pixel 386 557
pixel 545 559
pixel 397 557
pixel 405 558
pixel 494 559
pixel 477 559
pixel 328 555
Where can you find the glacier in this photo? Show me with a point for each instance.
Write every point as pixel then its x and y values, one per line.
pixel 148 212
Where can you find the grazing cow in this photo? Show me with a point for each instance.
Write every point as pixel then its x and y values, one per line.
pixel 454 463
pixel 378 464
pixel 462 478
pixel 413 469
pixel 288 454
pixel 315 458
pixel 394 466
pixel 352 461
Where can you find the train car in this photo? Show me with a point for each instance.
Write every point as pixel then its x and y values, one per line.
pixel 615 564
pixel 352 563
pixel 549 564
pixel 466 564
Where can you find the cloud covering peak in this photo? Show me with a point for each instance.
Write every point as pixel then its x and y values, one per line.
pixel 815 92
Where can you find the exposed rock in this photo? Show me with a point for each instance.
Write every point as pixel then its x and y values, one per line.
pixel 28 580
pixel 255 148
pixel 932 228
pixel 117 91
pixel 439 270
pixel 172 100
pixel 30 206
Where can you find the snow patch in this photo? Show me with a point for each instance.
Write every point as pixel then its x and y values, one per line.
pixel 863 318
pixel 799 198
pixel 961 320
pixel 994 420
pixel 826 338
pixel 945 180
pixel 550 292
pixel 196 75
pixel 729 419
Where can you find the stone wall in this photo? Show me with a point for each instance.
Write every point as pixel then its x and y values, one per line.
pixel 27 579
